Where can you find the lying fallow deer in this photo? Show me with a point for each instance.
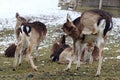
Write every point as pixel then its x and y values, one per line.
pixel 91 22
pixel 29 36
pixel 10 51
pixel 58 47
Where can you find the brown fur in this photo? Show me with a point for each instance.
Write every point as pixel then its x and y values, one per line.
pixel 95 53
pixel 28 43
pixel 10 51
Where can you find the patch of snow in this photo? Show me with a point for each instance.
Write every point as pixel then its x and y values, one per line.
pixel 106 48
pixel 118 57
pixel 118 50
pixel 106 58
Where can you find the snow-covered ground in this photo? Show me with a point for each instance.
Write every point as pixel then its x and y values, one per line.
pixel 45 11
pixel 55 17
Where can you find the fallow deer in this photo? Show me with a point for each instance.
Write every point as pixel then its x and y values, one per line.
pixel 58 47
pixel 10 51
pixel 91 22
pixel 29 35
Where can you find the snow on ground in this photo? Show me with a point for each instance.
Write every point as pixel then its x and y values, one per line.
pixel 116 30
pixel 49 17
pixel 53 18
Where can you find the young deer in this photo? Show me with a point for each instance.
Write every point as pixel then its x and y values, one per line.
pixel 91 22
pixel 29 36
pixel 58 47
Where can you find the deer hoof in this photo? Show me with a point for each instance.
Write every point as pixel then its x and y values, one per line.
pixel 14 69
pixel 20 64
pixel 35 68
pixel 97 75
pixel 66 69
pixel 77 68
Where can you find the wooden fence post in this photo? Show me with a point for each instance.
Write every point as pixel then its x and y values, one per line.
pixel 100 4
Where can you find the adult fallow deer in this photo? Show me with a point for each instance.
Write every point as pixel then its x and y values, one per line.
pixel 91 22
pixel 29 35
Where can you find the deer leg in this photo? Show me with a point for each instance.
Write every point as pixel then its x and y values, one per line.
pixel 100 45
pixel 16 58
pixel 28 55
pixel 27 59
pixel 90 50
pixel 36 52
pixel 69 65
pixel 91 58
pixel 20 57
pixel 78 61
pixel 80 50
pixel 77 52
pixel 99 63
pixel 85 57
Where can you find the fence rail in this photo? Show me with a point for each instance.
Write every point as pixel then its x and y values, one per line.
pixel 65 4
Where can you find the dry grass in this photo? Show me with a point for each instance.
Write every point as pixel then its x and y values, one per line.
pixel 54 71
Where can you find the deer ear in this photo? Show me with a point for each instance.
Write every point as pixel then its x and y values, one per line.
pixel 17 15
pixel 69 18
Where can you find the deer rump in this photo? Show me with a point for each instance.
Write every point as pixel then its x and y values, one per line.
pixel 93 20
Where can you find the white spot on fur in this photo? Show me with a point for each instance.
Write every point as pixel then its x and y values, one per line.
pixel 27 28
pixel 101 26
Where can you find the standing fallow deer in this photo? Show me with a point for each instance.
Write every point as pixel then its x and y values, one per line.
pixel 91 22
pixel 29 35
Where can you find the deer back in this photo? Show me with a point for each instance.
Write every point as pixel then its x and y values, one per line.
pixel 90 22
